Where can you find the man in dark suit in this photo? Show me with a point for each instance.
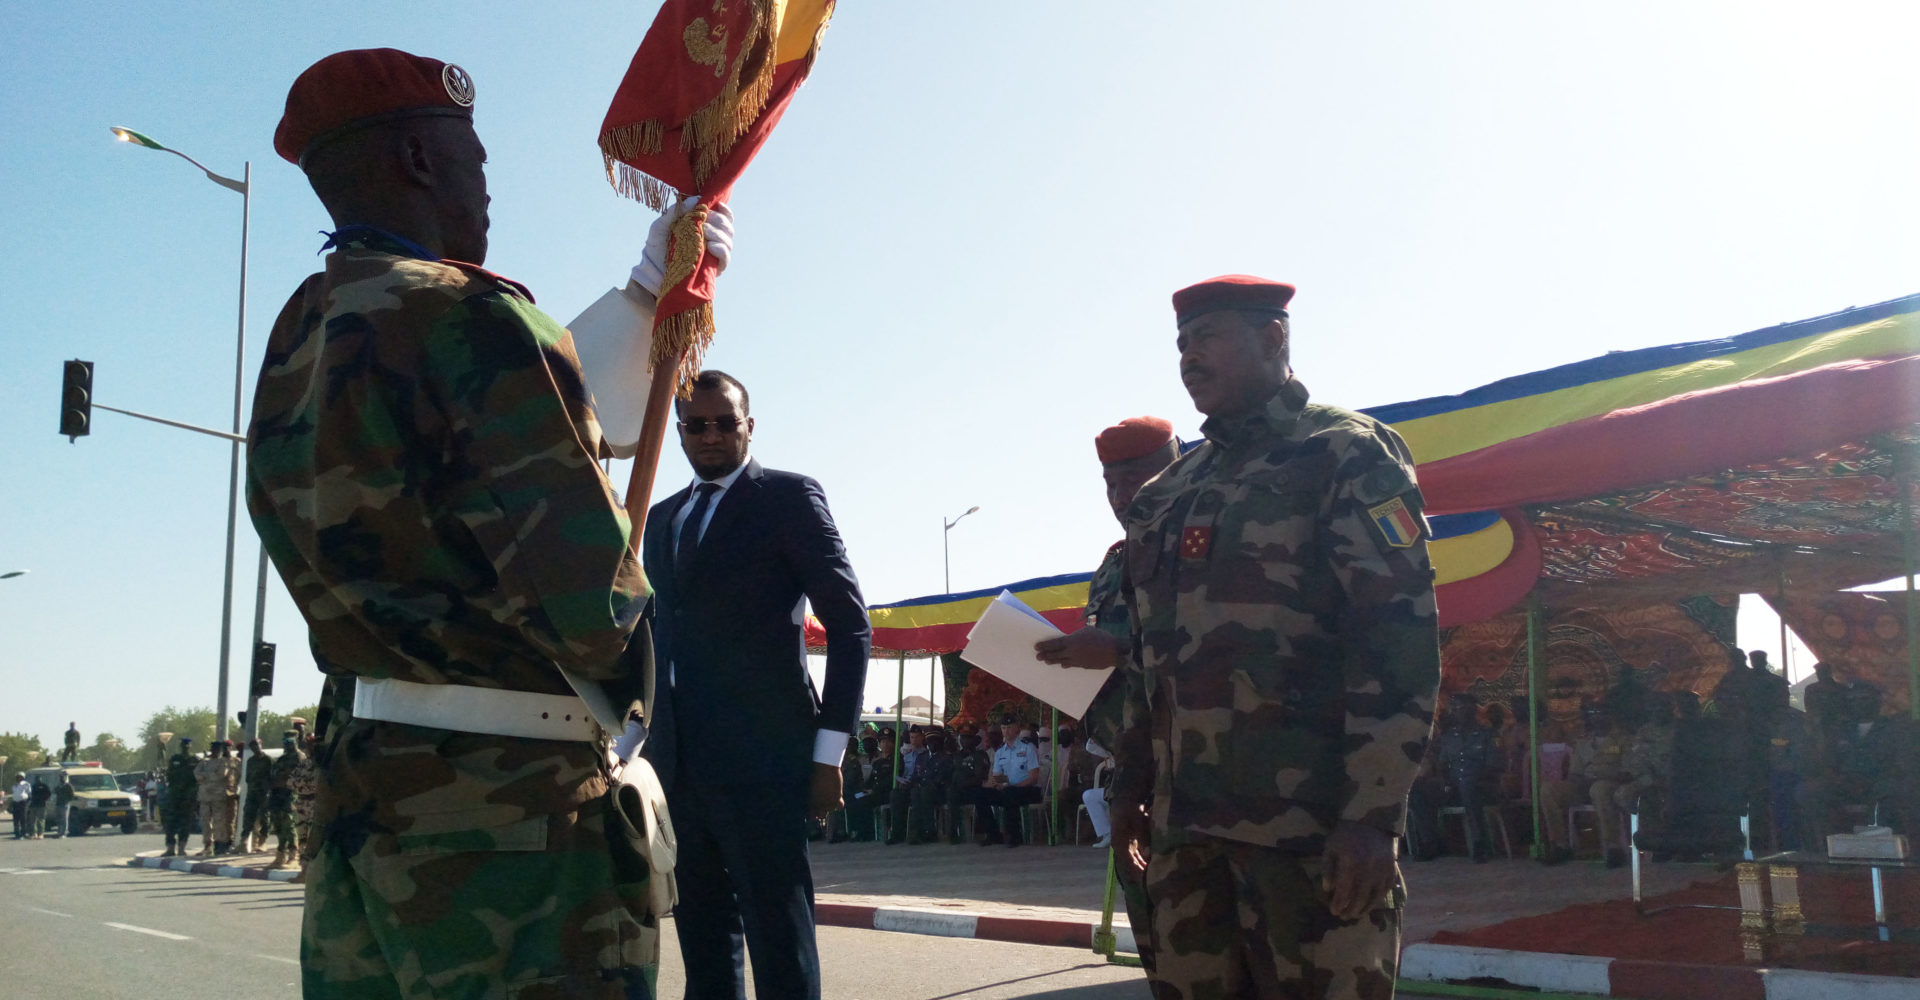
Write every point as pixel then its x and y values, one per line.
pixel 733 560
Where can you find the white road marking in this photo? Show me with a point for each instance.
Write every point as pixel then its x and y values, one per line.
pixel 51 913
pixel 278 958
pixel 148 930
pixel 24 871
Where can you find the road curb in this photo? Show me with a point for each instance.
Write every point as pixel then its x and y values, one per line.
pixel 212 868
pixel 979 926
pixel 1641 980
pixel 1629 979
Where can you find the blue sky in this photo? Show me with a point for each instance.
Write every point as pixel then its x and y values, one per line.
pixel 953 259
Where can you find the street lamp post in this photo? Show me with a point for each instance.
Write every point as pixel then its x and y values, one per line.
pixel 946 562
pixel 245 188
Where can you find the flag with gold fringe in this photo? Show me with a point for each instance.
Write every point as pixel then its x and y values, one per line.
pixel 706 88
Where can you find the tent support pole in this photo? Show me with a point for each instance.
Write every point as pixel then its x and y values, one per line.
pixel 1780 590
pixel 1053 782
pixel 1903 478
pixel 1533 715
pixel 899 730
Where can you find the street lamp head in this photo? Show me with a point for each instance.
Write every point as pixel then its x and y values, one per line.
pixel 12 573
pixel 138 139
pixel 972 510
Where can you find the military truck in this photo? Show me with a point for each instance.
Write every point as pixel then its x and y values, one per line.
pixel 97 799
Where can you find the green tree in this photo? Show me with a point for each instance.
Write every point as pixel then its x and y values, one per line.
pixel 114 754
pixel 272 723
pixel 21 751
pixel 193 723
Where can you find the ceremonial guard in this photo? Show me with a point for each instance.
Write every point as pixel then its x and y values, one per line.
pixel 1131 452
pixel 423 469
pixel 183 797
pixel 1283 615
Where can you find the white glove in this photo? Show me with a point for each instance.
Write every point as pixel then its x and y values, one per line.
pixel 651 272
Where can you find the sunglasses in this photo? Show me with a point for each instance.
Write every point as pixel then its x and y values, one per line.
pixel 698 425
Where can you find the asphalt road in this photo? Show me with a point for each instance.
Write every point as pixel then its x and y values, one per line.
pixel 77 924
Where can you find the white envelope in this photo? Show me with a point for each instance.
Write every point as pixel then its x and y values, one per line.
pixel 1001 643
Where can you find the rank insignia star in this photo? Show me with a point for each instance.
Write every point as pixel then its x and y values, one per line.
pixel 1195 542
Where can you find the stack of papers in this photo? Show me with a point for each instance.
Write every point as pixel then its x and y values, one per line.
pixel 1001 644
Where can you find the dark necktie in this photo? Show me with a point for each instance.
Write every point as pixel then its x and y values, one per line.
pixel 690 529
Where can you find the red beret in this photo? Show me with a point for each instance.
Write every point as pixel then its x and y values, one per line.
pixel 1231 291
pixel 361 87
pixel 1134 437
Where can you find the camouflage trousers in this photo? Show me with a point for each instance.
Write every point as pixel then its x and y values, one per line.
pixel 209 818
pixel 280 822
pixel 253 822
pixel 426 885
pixel 1234 920
pixel 1133 892
pixel 303 825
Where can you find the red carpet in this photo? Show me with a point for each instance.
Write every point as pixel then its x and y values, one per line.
pixel 1829 899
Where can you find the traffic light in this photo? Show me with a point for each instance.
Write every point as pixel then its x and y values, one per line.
pixel 261 684
pixel 76 399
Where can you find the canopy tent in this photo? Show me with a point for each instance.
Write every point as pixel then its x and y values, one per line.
pixel 1709 467
pixel 1768 462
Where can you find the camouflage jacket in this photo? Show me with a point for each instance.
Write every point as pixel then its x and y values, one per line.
pixel 1111 718
pixel 259 770
pixel 422 469
pixel 1283 615
pixel 229 773
pixel 207 779
pixel 284 766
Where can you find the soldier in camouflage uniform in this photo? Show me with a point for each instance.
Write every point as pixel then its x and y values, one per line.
pixel 207 786
pixel 182 800
pixel 280 796
pixel 304 783
pixel 1283 615
pixel 256 774
pixel 423 469
pixel 1131 452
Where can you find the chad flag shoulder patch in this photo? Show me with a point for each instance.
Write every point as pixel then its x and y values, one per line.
pixel 1398 526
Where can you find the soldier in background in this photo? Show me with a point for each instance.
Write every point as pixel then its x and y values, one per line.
pixel 1131 452
pixel 305 784
pixel 280 795
pixel 1469 760
pixel 182 798
pixel 70 745
pixel 970 767
pixel 258 776
pixel 1284 617
pixel 227 806
pixel 207 790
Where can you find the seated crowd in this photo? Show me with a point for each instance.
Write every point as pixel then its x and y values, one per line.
pixel 949 779
pixel 1689 774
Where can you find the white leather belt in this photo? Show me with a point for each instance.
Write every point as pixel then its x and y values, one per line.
pixel 475 710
